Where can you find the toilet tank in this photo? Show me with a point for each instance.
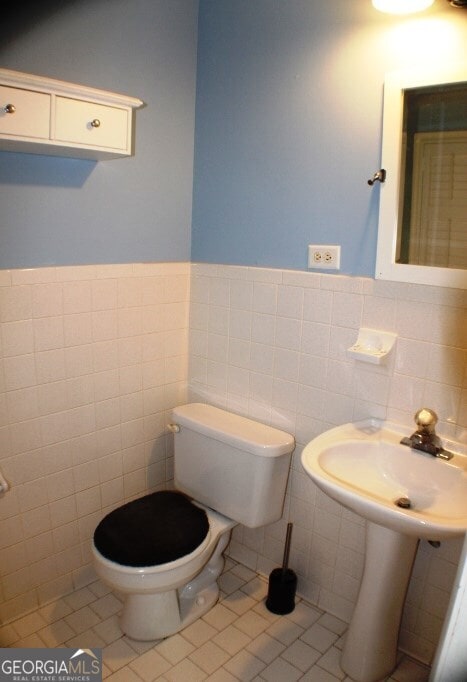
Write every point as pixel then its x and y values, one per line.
pixel 232 464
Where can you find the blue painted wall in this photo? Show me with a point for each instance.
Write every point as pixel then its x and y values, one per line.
pixel 62 211
pixel 288 123
pixel 288 128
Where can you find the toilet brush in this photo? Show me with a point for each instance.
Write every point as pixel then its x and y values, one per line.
pixel 282 583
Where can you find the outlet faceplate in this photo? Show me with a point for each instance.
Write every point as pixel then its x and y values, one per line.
pixel 324 256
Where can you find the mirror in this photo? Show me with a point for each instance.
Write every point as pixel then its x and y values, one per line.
pixel 422 234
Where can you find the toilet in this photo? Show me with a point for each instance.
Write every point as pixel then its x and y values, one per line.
pixel 164 552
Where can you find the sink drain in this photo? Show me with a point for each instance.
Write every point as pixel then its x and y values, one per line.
pixel 404 503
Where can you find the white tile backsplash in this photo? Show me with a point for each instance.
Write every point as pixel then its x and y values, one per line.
pixel 293 371
pixel 76 421
pixel 92 358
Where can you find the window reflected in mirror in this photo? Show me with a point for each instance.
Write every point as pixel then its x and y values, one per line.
pixel 432 223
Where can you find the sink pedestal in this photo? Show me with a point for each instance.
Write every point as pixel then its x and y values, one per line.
pixel 371 645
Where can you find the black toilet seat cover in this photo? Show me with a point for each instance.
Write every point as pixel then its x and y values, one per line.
pixel 152 530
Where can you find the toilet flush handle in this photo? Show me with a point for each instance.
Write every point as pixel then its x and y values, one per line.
pixel 174 428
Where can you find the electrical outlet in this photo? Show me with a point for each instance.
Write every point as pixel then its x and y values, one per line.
pixel 324 256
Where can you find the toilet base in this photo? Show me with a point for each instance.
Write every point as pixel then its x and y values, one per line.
pixel 146 617
pixel 150 616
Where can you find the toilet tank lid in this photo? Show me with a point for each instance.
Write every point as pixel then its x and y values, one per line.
pixel 240 432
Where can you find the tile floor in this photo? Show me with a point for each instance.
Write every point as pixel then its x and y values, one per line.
pixel 239 639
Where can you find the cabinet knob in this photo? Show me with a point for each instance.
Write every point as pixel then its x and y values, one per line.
pixel 9 109
pixel 95 123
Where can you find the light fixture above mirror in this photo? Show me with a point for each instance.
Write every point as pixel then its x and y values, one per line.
pixel 410 6
pixel 401 6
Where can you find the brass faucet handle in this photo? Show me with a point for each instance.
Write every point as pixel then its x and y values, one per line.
pixel 426 420
pixel 425 438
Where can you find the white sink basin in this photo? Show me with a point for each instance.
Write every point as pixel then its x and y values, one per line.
pixel 364 467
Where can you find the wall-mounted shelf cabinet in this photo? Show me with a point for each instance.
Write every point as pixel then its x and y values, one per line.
pixel 46 116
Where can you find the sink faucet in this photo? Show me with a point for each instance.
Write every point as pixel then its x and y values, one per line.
pixel 425 438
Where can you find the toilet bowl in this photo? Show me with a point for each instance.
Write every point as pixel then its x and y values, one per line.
pixel 164 552
pixel 162 599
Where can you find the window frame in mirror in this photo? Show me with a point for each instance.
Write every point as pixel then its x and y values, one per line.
pixel 395 85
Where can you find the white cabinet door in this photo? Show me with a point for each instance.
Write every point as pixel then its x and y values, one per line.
pixel 93 125
pixel 24 113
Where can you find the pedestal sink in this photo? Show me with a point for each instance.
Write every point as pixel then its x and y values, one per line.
pixel 405 495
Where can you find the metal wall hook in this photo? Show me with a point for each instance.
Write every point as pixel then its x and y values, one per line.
pixel 379 176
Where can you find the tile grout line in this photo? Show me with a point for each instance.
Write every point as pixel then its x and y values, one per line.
pixel 238 638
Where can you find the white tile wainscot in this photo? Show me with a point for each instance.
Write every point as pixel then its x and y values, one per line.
pixel 271 344
pixel 92 360
pixel 93 357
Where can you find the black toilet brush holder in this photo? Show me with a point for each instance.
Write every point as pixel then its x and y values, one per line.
pixel 282 583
